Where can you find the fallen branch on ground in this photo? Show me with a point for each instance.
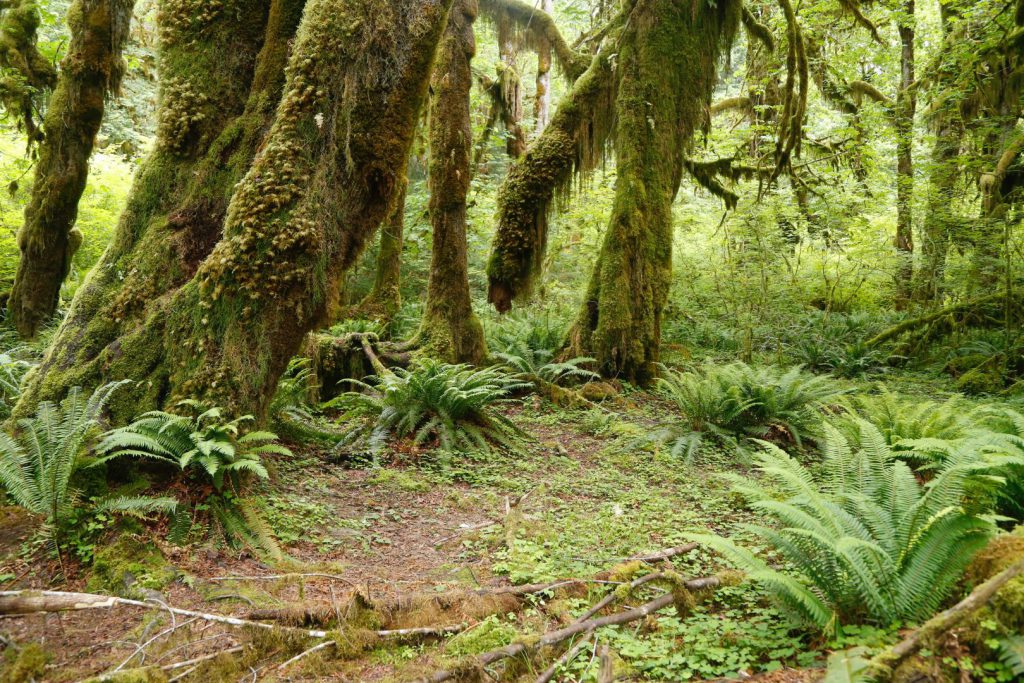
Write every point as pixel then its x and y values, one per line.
pixel 563 634
pixel 883 665
pixel 35 602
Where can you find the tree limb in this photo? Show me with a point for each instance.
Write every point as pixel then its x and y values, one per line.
pixel 541 26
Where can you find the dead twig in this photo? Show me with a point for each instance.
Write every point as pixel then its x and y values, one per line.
pixel 567 657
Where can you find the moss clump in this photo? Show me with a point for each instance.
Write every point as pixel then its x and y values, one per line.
pixel 492 633
pixel 148 674
pixel 24 664
pixel 128 564
pixel 399 480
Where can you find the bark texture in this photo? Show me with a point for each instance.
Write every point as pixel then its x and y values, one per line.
pixel 90 73
pixel 219 320
pixel 666 70
pixel 385 297
pixel 450 329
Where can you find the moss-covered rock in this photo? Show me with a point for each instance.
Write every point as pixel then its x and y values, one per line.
pixel 130 565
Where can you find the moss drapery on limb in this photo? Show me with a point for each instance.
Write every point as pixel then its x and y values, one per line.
pixel 450 329
pixel 542 96
pixel 322 182
pixel 33 73
pixel 541 29
pixel 90 73
pixel 572 144
pixel 216 102
pixel 668 55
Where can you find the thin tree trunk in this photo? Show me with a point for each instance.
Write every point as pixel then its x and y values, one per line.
pixel 90 73
pixel 906 108
pixel 662 98
pixel 385 297
pixel 324 178
pixel 542 99
pixel 450 329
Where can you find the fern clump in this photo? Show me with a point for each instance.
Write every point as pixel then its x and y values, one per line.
pixel 219 453
pixel 451 406
pixel 736 402
pixel 866 540
pixel 38 462
pixel 540 364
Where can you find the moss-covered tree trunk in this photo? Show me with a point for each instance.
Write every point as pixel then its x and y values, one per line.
pixel 90 73
pixel 385 297
pixel 906 107
pixel 194 316
pixel 450 329
pixel 667 69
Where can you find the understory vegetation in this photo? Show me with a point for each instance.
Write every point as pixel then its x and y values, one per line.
pixel 512 340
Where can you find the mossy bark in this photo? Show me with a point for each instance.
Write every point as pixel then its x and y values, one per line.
pixel 324 178
pixel 221 74
pixel 19 25
pixel 450 329
pixel 385 297
pixel 572 144
pixel 667 70
pixel 90 73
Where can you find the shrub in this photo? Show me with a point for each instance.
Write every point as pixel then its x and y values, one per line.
pixel 866 540
pixel 450 404
pixel 37 465
pixel 208 446
pixel 736 402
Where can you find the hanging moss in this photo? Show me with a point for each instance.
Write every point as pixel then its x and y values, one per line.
pixel 90 73
pixel 30 73
pixel 571 146
pixel 536 29
pixel 667 70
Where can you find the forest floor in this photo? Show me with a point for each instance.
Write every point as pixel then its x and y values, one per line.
pixel 583 495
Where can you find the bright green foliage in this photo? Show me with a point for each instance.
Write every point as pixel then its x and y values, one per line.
pixel 12 372
pixel 452 404
pixel 37 465
pixel 540 363
pixel 930 431
pixel 217 450
pixel 866 540
pixel 736 401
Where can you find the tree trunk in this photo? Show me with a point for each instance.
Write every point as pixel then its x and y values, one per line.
pixel 542 99
pixel 223 326
pixel 90 73
pixel 385 297
pixel 667 65
pixel 906 107
pixel 450 329
pixel 33 74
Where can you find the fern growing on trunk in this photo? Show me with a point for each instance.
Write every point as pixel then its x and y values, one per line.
pixel 865 539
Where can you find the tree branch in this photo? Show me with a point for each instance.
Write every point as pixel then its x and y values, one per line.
pixel 541 26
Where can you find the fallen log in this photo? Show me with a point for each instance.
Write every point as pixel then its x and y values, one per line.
pixel 26 602
pixel 560 635
pixel 884 664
